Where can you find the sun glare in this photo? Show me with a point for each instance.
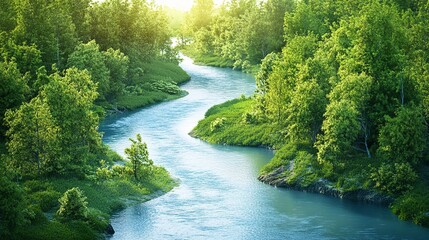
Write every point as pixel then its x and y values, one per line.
pixel 184 5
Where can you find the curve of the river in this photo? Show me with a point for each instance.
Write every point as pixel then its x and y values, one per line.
pixel 219 196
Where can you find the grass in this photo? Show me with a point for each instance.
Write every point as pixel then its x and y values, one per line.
pixel 133 102
pixel 159 83
pixel 160 70
pixel 104 198
pixel 206 59
pixel 234 130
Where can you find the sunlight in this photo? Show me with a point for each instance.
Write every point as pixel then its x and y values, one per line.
pixel 184 5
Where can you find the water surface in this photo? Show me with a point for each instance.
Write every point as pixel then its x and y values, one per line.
pixel 219 196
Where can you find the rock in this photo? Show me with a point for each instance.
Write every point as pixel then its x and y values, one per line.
pixel 277 178
pixel 109 230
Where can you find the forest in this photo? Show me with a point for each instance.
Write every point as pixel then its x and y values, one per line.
pixel 342 97
pixel 64 66
pixel 342 92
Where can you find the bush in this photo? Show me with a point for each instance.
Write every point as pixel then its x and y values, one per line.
pixel 414 206
pixel 394 178
pixel 217 124
pixel 73 206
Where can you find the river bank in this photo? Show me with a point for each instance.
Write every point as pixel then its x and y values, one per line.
pixel 294 166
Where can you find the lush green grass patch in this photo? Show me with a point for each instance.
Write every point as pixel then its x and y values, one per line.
pixel 104 197
pixel 206 59
pixel 226 124
pixel 160 70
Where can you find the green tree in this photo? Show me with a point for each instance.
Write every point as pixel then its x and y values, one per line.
pixel 13 90
pixel 33 143
pixel 28 59
pixel 403 137
pixel 138 155
pixel 340 130
pixel 88 56
pixel 73 206
pixel 305 112
pixel 117 63
pixel 70 99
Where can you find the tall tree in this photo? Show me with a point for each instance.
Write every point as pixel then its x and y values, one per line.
pixel 33 143
pixel 13 91
pixel 70 99
pixel 88 57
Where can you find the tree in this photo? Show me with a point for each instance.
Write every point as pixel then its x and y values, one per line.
pixel 73 206
pixel 117 63
pixel 13 91
pixel 403 137
pixel 340 130
pixel 28 59
pixel 88 56
pixel 70 100
pixel 305 112
pixel 47 25
pixel 138 155
pixel 33 143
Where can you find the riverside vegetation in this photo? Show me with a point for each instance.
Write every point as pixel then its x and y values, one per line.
pixel 342 94
pixel 64 64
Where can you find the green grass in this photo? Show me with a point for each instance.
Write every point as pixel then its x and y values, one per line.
pixel 104 198
pixel 234 130
pixel 159 70
pixel 159 83
pixel 206 59
pixel 133 102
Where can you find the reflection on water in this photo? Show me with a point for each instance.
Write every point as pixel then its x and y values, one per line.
pixel 219 196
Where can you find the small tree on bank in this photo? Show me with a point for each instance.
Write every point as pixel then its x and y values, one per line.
pixel 138 155
pixel 73 205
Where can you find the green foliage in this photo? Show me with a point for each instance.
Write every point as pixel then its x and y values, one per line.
pixel 73 206
pixel 227 37
pixel 11 207
pixel 304 169
pixel 217 124
pixel 88 56
pixel 414 206
pixel 33 138
pixel 118 64
pixel 341 128
pixel 403 138
pixel 138 155
pixel 394 178
pixel 13 91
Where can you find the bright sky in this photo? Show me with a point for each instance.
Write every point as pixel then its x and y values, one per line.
pixel 184 5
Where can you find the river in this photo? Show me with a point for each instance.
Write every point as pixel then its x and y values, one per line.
pixel 219 196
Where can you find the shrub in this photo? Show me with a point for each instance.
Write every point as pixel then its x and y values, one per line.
pixel 414 206
pixel 394 178
pixel 217 124
pixel 73 205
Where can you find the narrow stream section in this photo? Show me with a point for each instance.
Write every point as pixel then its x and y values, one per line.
pixel 219 196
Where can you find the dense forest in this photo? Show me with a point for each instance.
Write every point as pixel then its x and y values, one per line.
pixel 342 92
pixel 65 64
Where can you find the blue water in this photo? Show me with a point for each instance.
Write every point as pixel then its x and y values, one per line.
pixel 219 196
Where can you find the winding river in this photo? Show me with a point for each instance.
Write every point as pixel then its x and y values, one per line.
pixel 219 196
